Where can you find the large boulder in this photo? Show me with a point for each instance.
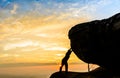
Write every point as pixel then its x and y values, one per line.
pixel 98 42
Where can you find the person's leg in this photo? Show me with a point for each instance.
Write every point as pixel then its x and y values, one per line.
pixel 61 68
pixel 66 67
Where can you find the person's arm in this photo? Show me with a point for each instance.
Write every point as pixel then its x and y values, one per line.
pixel 69 52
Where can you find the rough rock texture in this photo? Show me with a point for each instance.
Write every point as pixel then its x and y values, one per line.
pixel 98 42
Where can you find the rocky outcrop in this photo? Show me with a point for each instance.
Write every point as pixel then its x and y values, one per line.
pixel 97 73
pixel 98 42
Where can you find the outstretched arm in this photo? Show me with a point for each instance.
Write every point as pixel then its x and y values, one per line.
pixel 69 52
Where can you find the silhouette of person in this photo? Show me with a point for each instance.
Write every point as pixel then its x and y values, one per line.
pixel 64 61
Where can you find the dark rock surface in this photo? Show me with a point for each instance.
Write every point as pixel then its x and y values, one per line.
pixel 97 73
pixel 98 42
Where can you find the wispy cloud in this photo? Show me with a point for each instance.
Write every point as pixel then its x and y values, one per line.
pixel 13 11
pixel 56 49
pixel 23 44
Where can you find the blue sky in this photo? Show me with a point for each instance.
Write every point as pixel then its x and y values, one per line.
pixel 37 30
pixel 47 7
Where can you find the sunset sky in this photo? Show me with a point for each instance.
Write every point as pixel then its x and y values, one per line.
pixel 36 31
